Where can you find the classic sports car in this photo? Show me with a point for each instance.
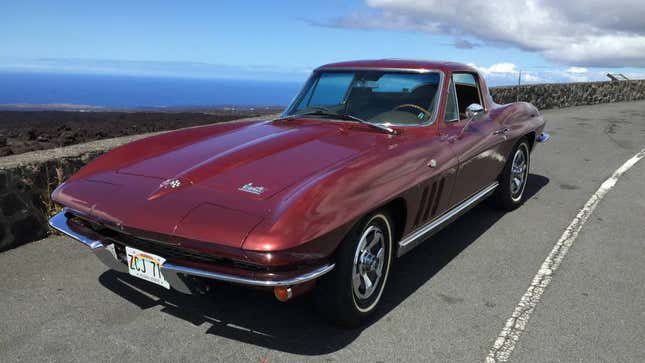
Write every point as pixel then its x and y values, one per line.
pixel 369 160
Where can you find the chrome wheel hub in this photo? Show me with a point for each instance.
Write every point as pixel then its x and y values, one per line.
pixel 519 170
pixel 369 261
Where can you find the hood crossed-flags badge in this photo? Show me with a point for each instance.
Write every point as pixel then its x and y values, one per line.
pixel 171 183
pixel 168 186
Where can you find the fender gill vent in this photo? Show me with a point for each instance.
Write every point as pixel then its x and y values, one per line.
pixel 422 204
pixel 436 202
pixel 429 203
pixel 433 191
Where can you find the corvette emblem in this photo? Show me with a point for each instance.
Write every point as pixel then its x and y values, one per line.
pixel 250 188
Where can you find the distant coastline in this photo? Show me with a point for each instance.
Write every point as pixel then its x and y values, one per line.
pixel 86 92
pixel 160 109
pixel 48 107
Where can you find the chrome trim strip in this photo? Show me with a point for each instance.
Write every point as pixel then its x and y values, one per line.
pixel 59 223
pixel 171 271
pixel 378 69
pixel 543 137
pixel 418 236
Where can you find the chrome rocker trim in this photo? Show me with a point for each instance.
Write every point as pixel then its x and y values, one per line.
pixel 174 273
pixel 421 234
pixel 543 137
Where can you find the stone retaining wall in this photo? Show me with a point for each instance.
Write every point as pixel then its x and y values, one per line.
pixel 24 197
pixel 558 95
pixel 26 180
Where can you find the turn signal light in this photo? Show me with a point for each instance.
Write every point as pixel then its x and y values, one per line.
pixel 283 293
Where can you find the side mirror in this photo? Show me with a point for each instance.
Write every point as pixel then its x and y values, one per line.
pixel 473 110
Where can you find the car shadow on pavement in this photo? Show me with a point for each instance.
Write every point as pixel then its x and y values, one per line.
pixel 256 317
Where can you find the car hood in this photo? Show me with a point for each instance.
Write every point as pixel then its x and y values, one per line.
pixel 258 161
pixel 219 187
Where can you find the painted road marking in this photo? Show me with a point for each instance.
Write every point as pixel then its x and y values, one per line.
pixel 515 325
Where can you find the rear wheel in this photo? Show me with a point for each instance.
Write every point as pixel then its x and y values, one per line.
pixel 351 292
pixel 512 182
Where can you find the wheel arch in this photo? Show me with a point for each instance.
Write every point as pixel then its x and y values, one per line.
pixel 531 139
pixel 396 210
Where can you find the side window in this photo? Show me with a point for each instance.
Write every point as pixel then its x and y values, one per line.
pixel 452 111
pixel 465 78
pixel 467 90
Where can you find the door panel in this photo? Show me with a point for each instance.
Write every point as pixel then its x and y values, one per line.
pixel 477 144
pixel 481 158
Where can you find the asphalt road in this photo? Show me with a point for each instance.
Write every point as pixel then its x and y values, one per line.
pixel 446 301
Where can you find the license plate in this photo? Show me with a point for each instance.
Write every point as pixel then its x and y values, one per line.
pixel 146 266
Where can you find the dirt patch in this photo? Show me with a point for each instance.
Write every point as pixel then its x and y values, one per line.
pixel 23 131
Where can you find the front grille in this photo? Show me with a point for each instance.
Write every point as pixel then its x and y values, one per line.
pixel 167 251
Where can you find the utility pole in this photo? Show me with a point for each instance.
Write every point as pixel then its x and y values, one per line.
pixel 519 83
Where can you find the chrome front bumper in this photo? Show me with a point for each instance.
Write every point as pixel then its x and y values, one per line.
pixel 176 274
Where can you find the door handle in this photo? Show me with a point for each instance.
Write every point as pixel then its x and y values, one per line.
pixel 503 131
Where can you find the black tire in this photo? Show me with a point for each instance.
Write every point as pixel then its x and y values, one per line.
pixel 508 196
pixel 335 295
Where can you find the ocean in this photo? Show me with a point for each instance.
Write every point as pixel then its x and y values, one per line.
pixel 140 92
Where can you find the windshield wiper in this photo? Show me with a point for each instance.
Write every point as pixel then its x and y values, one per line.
pixel 344 116
pixel 381 127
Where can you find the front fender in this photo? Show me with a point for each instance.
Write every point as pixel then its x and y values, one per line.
pixel 330 203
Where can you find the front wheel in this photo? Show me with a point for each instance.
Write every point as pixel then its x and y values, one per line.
pixel 512 182
pixel 352 290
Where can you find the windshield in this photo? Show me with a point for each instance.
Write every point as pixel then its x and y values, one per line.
pixel 375 96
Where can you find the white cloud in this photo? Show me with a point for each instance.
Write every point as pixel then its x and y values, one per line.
pixel 464 44
pixel 530 78
pixel 378 21
pixel 505 73
pixel 575 32
pixel 499 68
pixel 577 70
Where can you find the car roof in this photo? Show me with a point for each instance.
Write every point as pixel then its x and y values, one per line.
pixel 400 64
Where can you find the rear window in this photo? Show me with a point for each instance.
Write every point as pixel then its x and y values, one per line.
pixel 402 82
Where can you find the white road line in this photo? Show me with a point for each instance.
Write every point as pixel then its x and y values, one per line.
pixel 515 325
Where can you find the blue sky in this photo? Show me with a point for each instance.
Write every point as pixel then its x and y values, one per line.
pixel 286 39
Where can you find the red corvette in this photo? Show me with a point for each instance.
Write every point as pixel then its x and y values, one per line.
pixel 369 160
